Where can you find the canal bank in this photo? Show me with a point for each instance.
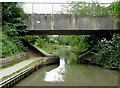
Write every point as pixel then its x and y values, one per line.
pixel 12 75
pixel 69 73
pixel 11 81
pixel 87 57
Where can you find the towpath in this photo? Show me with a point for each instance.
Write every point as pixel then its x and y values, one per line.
pixel 16 67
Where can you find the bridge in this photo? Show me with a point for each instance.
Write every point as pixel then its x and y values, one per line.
pixel 90 22
pixel 70 24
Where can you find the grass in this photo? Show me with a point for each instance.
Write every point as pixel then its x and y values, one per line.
pixel 50 48
pixel 21 69
pixel 15 62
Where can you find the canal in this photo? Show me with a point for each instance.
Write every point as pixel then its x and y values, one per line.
pixel 69 73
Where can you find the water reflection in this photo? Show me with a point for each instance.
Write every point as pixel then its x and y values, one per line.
pixel 84 74
pixel 55 75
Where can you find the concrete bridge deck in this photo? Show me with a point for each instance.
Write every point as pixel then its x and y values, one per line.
pixel 70 24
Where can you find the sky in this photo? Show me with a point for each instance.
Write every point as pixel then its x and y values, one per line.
pixel 105 1
pixel 48 8
pixel 51 8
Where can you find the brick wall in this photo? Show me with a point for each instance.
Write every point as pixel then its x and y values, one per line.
pixel 9 60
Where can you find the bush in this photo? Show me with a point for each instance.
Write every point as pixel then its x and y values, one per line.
pixel 52 41
pixel 12 27
pixel 40 42
pixel 78 43
pixel 31 39
pixel 108 53
pixel 116 9
pixel 11 47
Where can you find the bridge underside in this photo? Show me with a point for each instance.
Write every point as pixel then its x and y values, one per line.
pixel 71 32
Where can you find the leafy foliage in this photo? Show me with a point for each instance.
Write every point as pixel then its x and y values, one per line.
pixel 83 7
pixel 35 39
pixel 94 8
pixel 31 39
pixel 11 46
pixel 77 42
pixel 116 9
pixel 109 52
pixel 12 27
pixel 40 42
pixel 12 22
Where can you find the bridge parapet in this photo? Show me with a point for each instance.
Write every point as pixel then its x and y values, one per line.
pixel 71 22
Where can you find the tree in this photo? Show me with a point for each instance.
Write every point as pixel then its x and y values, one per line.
pixel 12 23
pixel 82 7
pixel 116 9
pixel 77 42
pixel 12 28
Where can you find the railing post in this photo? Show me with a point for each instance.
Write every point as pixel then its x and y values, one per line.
pixel 52 17
pixel 32 20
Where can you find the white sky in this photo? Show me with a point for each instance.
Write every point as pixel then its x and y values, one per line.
pixel 48 8
pixel 104 1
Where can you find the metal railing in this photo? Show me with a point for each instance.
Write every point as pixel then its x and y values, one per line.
pixel 69 8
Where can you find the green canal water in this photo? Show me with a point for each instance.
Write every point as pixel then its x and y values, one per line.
pixel 69 73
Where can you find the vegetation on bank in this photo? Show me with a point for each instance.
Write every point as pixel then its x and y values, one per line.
pixel 44 42
pixel 78 43
pixel 108 50
pixel 108 53
pixel 11 47
pixel 13 27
